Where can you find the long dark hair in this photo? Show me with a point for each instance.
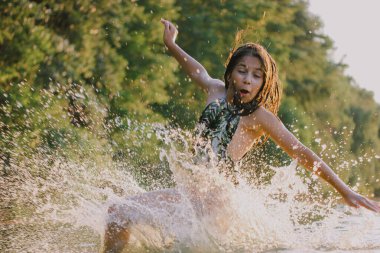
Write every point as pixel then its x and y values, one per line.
pixel 270 93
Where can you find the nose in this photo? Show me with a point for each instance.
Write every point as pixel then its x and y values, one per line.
pixel 247 79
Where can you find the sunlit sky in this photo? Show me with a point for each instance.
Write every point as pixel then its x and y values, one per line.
pixel 354 26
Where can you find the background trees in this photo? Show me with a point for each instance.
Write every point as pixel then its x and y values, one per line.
pixel 77 72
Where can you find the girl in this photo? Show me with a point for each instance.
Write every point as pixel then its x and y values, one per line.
pixel 240 111
pixel 251 86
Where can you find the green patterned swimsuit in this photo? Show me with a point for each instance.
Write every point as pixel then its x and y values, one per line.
pixel 219 121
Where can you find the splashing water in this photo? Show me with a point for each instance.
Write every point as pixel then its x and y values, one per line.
pixel 52 204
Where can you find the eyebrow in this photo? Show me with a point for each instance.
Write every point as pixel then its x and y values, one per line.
pixel 243 65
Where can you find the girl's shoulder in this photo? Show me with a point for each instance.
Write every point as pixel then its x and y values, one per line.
pixel 217 91
pixel 261 116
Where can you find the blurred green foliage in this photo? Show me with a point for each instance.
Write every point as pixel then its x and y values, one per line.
pixel 75 74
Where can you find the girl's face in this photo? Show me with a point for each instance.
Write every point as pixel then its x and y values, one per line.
pixel 246 78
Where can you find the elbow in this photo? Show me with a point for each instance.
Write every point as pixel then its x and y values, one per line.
pixel 199 75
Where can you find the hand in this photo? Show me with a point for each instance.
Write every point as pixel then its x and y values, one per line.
pixel 356 200
pixel 170 32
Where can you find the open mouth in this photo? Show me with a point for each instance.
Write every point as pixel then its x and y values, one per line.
pixel 243 92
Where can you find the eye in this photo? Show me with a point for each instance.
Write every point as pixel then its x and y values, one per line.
pixel 241 71
pixel 257 76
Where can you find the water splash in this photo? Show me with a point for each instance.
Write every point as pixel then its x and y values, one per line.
pixel 53 204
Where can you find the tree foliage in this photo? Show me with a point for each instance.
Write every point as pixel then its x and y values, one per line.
pixel 82 69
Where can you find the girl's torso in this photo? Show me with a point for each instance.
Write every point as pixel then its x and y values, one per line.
pixel 230 134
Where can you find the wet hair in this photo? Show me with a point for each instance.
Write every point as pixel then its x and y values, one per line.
pixel 270 92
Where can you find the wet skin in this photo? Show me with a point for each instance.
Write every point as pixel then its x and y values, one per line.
pixel 247 78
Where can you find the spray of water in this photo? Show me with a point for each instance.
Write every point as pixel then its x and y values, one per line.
pixel 50 203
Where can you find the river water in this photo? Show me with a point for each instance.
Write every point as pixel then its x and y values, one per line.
pixel 50 203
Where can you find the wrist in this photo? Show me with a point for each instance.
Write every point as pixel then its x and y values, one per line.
pixel 170 45
pixel 339 185
pixel 346 191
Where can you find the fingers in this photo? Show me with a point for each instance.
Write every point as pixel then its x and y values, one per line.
pixel 168 25
pixel 371 205
pixel 171 26
pixel 165 23
pixel 170 32
pixel 367 205
pixel 356 200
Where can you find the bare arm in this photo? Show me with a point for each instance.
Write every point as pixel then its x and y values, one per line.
pixel 214 87
pixel 294 148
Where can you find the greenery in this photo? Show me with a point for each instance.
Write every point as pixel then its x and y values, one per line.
pixel 76 73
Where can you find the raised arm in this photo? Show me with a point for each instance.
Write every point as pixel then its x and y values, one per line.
pixel 213 87
pixel 294 148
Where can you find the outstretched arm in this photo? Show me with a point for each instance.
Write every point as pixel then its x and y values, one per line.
pixel 214 87
pixel 293 147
